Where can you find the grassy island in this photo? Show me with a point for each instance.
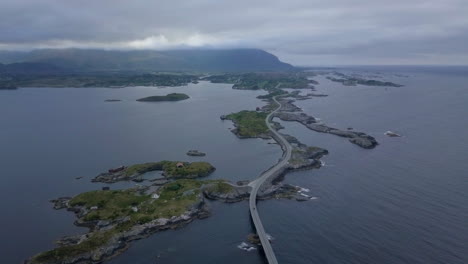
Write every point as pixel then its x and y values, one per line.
pixel 249 123
pixel 123 209
pixel 161 98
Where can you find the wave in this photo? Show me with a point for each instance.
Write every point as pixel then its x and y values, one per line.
pixel 246 247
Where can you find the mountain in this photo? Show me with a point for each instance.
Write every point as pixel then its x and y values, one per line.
pixel 213 60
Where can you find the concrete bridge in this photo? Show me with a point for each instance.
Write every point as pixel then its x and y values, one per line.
pixel 268 175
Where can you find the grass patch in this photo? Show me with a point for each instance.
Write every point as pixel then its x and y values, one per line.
pixel 110 204
pixel 190 170
pixel 174 199
pixel 220 186
pixel 249 123
pixel 96 240
pixel 142 168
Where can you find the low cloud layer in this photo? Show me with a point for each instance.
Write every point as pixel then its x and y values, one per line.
pixel 303 32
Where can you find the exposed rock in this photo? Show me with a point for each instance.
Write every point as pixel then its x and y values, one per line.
pixel 119 242
pixel 392 134
pixel 194 152
pixel 235 194
pixel 359 138
pixel 353 81
pixel 61 202
pixel 288 106
pixel 301 117
pixel 254 239
pixel 364 142
pixel 266 135
pixel 242 183
pixel 135 172
pixel 159 181
pixel 300 198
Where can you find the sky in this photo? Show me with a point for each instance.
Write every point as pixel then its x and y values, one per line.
pixel 301 32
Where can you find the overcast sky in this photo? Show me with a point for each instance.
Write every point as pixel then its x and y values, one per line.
pixel 302 32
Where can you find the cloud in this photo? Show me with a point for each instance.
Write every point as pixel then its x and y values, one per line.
pixel 299 31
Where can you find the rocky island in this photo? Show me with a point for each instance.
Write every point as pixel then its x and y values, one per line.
pixel 115 218
pixel 353 81
pixel 249 124
pixel 161 98
pixel 195 153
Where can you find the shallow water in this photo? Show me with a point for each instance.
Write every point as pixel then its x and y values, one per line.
pixel 405 201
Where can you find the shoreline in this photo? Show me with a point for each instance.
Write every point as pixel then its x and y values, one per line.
pixel 268 185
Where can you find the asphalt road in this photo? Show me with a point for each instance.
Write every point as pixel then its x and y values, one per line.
pixel 287 150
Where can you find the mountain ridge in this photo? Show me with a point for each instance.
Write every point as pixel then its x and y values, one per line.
pixel 85 60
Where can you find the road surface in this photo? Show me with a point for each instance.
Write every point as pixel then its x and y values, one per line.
pixel 287 149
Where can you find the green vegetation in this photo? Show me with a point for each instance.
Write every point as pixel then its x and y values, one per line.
pixel 249 123
pixel 272 93
pixel 351 81
pixel 57 255
pixel 220 186
pixel 187 170
pixel 161 98
pixel 110 204
pixel 142 168
pixel 98 80
pixel 190 170
pixel 266 81
pixel 175 198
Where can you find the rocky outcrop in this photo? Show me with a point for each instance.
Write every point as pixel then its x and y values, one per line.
pixel 288 106
pixel 194 152
pixel 235 194
pixel 170 169
pixel 302 118
pixel 392 134
pixel 112 177
pixel 118 241
pixel 61 202
pixel 359 138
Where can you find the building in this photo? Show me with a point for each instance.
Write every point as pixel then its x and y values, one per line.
pixel 179 165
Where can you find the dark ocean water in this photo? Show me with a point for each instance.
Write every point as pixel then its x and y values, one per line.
pixel 404 202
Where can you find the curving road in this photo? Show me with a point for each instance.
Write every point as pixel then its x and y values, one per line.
pixel 267 175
